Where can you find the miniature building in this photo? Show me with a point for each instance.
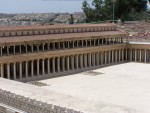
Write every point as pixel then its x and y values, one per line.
pixel 32 53
pixel 41 52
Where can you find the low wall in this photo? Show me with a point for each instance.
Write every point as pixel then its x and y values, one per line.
pixel 29 105
pixel 2 109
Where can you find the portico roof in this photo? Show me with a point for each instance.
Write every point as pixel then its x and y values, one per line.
pixel 36 27
pixel 67 36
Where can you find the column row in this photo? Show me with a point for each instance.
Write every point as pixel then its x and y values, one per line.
pixel 21 49
pixel 139 55
pixel 51 66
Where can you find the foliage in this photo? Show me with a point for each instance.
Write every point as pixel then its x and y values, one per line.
pixel 88 11
pixel 124 9
pixel 71 20
pixel 128 7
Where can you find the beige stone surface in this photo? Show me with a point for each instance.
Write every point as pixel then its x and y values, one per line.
pixel 124 85
pixel 122 88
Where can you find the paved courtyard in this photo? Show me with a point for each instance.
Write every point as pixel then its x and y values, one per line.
pixel 123 88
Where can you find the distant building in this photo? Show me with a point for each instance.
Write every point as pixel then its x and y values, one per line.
pixel 40 52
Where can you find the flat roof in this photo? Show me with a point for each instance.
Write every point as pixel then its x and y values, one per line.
pixel 145 43
pixel 35 27
pixel 122 88
pixel 61 36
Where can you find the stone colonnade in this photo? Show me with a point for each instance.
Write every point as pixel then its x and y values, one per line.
pixel 139 55
pixel 54 46
pixel 61 64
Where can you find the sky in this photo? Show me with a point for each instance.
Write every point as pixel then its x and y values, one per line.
pixel 40 6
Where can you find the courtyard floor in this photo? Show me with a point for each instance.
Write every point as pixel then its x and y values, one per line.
pixel 123 88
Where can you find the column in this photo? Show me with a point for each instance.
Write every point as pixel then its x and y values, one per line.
pixel 135 55
pixel 102 58
pixel 20 49
pixel 31 48
pixel 81 61
pixel 126 54
pixel 90 42
pixel 116 55
pixel 85 60
pixel 93 58
pixel 43 46
pixel 32 68
pixel 121 40
pixel 26 65
pixel 86 43
pixel 113 40
pixel 38 72
pixel 122 55
pixel 97 59
pixel 77 43
pixel 72 44
pixel 48 65
pixel 109 57
pixel 140 55
pixel 37 48
pixel 72 62
pixel 82 43
pixel 43 67
pixel 89 59
pixel 119 54
pixel 2 70
pixel 53 61
pixel 7 50
pixel 102 41
pixel 63 63
pixel 48 48
pixel 58 64
pixel 106 39
pixel 8 71
pixel 14 70
pixel 98 42
pixel 58 45
pixel 68 66
pixel 14 50
pixel 145 56
pixel 1 51
pixel 112 56
pixel 94 41
pixel 77 65
pixel 130 54
pixel 105 54
pixel 20 70
pixel 63 44
pixel 27 48
pixel 53 44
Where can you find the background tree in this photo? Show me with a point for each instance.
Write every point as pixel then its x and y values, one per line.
pixel 71 20
pixel 88 11
pixel 124 9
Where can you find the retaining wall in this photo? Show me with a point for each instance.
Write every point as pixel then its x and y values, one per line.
pixel 29 105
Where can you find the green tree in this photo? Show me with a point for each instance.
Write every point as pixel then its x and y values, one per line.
pixel 88 11
pixel 124 9
pixel 71 20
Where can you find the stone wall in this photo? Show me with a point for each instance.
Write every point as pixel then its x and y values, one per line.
pixel 29 105
pixel 2 109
